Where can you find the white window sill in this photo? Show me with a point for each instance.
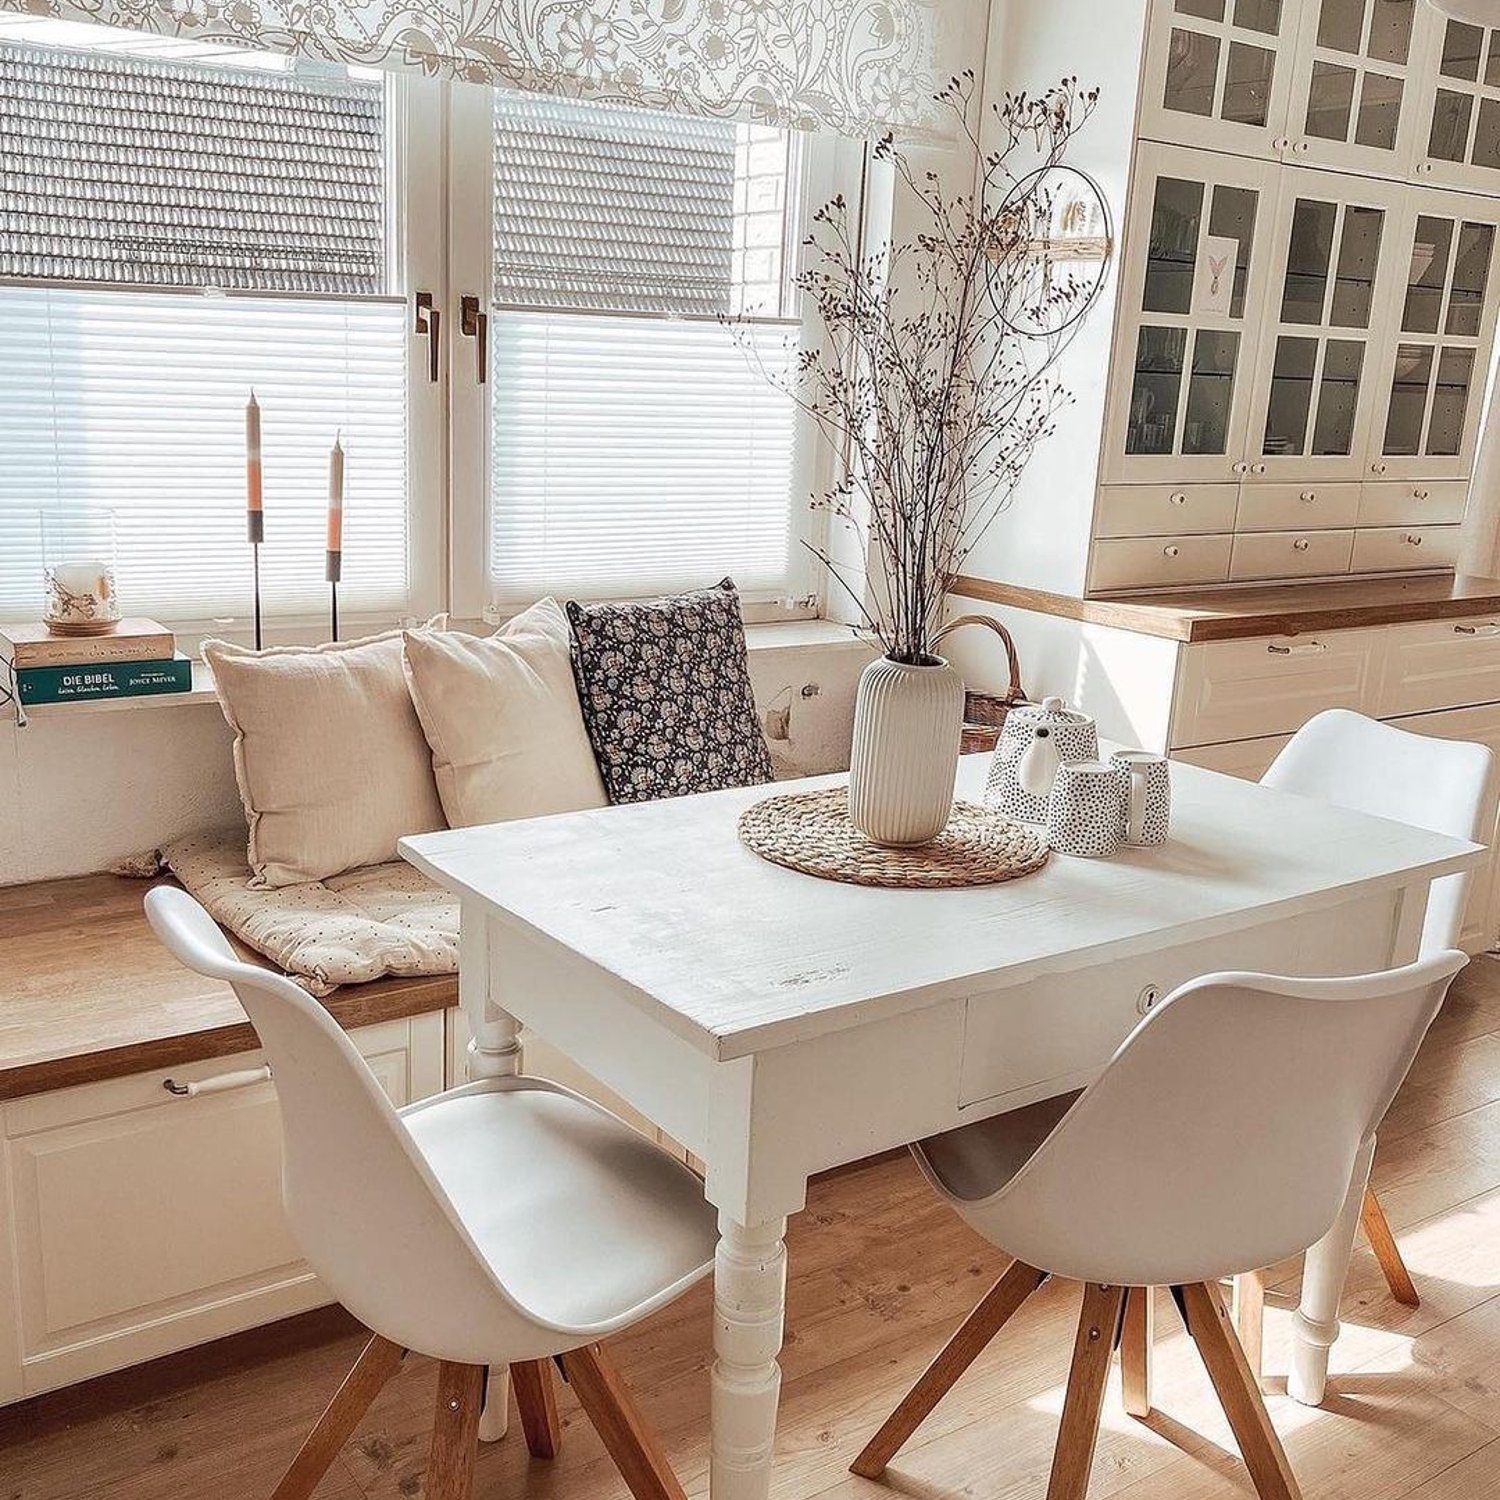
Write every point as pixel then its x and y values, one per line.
pixel 790 635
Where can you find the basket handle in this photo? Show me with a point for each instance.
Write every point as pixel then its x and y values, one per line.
pixel 1015 691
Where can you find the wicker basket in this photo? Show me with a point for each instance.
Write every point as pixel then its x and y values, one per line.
pixel 984 713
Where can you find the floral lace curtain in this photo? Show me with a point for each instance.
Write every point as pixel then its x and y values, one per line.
pixel 857 67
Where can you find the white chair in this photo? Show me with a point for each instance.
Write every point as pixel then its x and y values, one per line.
pixel 505 1222
pixel 1442 785
pixel 1169 1170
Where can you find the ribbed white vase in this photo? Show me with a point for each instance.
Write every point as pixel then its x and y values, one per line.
pixel 907 724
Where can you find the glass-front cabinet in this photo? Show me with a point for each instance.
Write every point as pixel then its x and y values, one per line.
pixel 1192 285
pixel 1460 145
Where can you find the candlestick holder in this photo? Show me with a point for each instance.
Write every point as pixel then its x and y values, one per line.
pixel 256 528
pixel 333 571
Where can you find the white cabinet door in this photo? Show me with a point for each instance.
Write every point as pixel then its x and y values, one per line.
pixel 1459 105
pixel 1431 374
pixel 1218 73
pixel 1335 266
pixel 1354 93
pixel 1192 285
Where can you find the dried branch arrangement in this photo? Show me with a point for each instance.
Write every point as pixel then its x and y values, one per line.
pixel 935 377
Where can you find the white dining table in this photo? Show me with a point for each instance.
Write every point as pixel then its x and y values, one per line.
pixel 777 1024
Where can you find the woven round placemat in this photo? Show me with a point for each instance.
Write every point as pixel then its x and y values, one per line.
pixel 811 832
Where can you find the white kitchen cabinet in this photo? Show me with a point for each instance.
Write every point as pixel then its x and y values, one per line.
pixel 1459 106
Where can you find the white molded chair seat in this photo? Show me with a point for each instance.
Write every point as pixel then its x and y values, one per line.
pixel 586 1224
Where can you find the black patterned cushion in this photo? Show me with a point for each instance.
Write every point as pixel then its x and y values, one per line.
pixel 665 691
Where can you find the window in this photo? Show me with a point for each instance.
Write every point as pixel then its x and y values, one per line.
pixel 634 442
pixel 179 226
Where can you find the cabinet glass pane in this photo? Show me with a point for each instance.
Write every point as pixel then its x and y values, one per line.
pixel 1258 15
pixel 1359 252
pixel 1247 84
pixel 1173 252
pixel 1450 401
pixel 1379 112
pixel 1390 31
pixel 1205 427
pixel 1486 152
pixel 1207 10
pixel 1192 72
pixel 1341 25
pixel 1154 394
pixel 1330 102
pixel 1233 216
pixel 1492 61
pixel 1308 253
pixel 1471 274
pixel 1408 403
pixel 1427 275
pixel 1291 395
pixel 1338 396
pixel 1462 45
pixel 1448 139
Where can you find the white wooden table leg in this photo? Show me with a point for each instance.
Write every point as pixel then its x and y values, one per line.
pixel 494 1052
pixel 1316 1325
pixel 749 1312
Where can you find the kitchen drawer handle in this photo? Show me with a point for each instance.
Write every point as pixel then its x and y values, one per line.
pixel 1306 648
pixel 1257 468
pixel 1171 551
pixel 1377 468
pixel 1177 498
pixel 1484 630
pixel 1240 468
pixel 1309 496
pixel 1412 539
pixel 220 1083
pixel 1301 544
pixel 1420 494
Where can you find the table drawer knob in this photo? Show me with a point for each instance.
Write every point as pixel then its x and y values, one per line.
pixel 1302 648
pixel 1486 630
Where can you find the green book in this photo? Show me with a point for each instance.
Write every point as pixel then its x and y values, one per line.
pixel 109 679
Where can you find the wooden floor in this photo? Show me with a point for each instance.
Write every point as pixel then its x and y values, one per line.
pixel 880 1273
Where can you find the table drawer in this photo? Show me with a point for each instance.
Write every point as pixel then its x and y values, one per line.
pixel 1297 507
pixel 1247 759
pixel 1427 502
pixel 1165 509
pixel 1403 549
pixel 1440 664
pixel 1154 562
pixel 1290 554
pixel 1242 690
pixel 1055 1033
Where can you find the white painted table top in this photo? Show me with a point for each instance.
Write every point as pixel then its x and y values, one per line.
pixel 737 955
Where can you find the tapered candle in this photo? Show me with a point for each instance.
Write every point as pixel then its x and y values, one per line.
pixel 254 497
pixel 335 512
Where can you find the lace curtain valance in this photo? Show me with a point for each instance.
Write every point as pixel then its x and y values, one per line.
pixel 853 66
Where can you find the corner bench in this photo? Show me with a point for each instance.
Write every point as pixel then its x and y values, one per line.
pixel 136 1221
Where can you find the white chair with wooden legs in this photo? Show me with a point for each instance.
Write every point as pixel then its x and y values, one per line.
pixel 1443 785
pixel 506 1222
pixel 1170 1171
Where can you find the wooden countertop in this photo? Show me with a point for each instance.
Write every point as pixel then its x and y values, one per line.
pixel 87 992
pixel 1260 609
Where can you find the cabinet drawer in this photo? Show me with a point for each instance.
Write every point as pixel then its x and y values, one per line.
pixel 1297 507
pixel 1165 509
pixel 1290 554
pixel 1154 562
pixel 1243 690
pixel 1427 502
pixel 1440 664
pixel 1405 549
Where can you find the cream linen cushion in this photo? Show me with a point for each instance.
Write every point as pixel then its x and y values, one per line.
pixel 501 715
pixel 330 757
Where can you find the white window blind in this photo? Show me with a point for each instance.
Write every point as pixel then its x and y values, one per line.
pixel 636 443
pixel 122 407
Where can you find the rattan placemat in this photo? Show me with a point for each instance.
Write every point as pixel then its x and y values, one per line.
pixel 811 832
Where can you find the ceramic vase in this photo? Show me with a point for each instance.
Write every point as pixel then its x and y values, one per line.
pixel 907 724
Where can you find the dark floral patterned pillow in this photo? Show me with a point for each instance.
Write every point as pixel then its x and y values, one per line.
pixel 665 691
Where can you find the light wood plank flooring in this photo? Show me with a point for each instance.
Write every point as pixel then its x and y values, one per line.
pixel 880 1274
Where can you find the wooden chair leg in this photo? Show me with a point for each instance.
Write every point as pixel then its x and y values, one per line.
pixel 627 1436
pixel 536 1399
pixel 380 1360
pixel 1239 1394
pixel 1093 1349
pixel 1250 1318
pixel 1137 1334
pixel 1378 1231
pixel 999 1305
pixel 455 1431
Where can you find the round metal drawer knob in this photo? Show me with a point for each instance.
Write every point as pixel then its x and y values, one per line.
pixel 1177 498
pixel 1377 468
pixel 1301 544
pixel 1412 539
pixel 1420 494
pixel 1309 496
pixel 1170 551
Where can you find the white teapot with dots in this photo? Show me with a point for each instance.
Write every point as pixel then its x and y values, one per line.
pixel 1036 740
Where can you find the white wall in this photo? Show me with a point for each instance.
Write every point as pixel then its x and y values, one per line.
pixel 80 790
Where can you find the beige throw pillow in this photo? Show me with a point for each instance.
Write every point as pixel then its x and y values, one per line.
pixel 330 757
pixel 501 715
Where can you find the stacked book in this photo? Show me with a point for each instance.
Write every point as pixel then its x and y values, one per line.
pixel 137 659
